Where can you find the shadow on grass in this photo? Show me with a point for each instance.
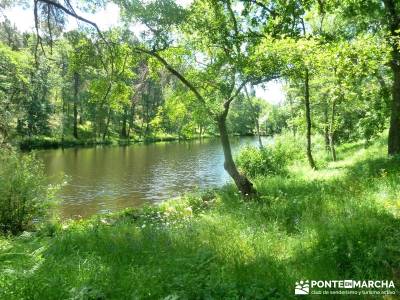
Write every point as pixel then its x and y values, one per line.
pixel 373 167
pixel 299 229
pixel 125 263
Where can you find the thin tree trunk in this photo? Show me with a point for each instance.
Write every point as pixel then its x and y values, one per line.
pixel 81 121
pixel 131 118
pixel 109 112
pixel 256 114
pixel 292 115
pixel 76 101
pixel 332 131
pixel 258 134
pixel 95 123
pixel 107 124
pixel 124 121
pixel 308 119
pixel 326 127
pixel 394 24
pixel 241 181
pixel 63 120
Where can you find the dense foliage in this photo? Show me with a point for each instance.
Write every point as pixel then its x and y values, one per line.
pixel 273 159
pixel 79 90
pixel 327 192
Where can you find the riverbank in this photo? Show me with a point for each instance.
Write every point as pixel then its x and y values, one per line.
pixel 340 222
pixel 43 142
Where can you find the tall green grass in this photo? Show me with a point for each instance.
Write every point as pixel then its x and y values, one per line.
pixel 341 222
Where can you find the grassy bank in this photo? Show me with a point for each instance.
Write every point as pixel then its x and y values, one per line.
pixel 341 222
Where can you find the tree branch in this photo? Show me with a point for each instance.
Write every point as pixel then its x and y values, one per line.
pixel 72 13
pixel 173 71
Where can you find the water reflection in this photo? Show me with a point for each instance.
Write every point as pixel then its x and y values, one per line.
pixel 111 178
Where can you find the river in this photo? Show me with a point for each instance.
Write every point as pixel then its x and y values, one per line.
pixel 109 178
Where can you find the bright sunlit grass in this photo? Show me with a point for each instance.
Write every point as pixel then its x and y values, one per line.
pixel 340 222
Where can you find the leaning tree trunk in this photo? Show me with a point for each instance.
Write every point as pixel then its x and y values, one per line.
pixel 243 184
pixel 308 119
pixel 392 10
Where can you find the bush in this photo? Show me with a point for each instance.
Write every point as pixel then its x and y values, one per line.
pixel 253 161
pixel 24 194
pixel 270 160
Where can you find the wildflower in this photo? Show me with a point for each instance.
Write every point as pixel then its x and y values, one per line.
pixel 104 221
pixel 188 211
pixel 170 210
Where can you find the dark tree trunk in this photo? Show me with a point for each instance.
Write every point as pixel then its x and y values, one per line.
pixel 241 181
pixel 131 119
pixel 394 130
pixel 81 120
pixel 63 119
pixel 393 16
pixel 332 131
pixel 124 120
pixel 326 127
pixel 105 132
pixel 76 102
pixel 308 119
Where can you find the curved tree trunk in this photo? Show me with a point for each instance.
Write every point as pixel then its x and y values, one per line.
pixel 308 119
pixel 243 184
pixel 241 181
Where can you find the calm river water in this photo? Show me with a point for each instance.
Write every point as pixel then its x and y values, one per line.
pixel 102 179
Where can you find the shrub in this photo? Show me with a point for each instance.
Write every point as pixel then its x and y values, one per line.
pixel 253 161
pixel 24 194
pixel 270 160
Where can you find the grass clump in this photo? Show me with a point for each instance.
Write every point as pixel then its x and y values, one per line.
pixel 341 222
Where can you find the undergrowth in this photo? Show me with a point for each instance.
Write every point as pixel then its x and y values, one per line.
pixel 341 222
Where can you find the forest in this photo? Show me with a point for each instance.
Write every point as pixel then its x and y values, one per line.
pixel 139 161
